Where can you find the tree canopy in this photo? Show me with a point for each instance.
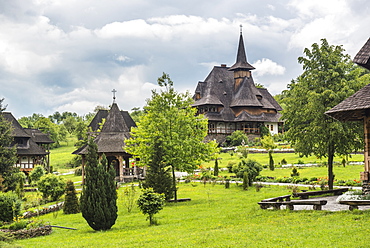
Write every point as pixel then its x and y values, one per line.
pixel 328 77
pixel 170 121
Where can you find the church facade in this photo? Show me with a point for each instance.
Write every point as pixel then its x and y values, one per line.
pixel 230 101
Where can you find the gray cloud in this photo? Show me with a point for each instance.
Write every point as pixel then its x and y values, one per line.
pixel 56 57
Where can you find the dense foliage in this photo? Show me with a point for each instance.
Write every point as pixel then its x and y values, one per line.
pixel 237 138
pixel 150 203
pixel 328 78
pixel 98 200
pixel 37 172
pixel 10 206
pixel 51 186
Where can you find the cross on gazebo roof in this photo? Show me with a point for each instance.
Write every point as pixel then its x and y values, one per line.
pixel 114 95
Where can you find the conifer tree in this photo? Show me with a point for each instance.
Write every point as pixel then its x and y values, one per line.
pixel 99 195
pixel 8 155
pixel 158 175
pixel 71 205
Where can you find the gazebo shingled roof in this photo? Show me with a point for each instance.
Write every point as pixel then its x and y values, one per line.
pixel 362 58
pixel 357 106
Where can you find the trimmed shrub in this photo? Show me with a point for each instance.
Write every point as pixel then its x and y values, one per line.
pixel 71 205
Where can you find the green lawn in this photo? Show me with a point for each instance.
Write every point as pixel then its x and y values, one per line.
pixel 60 156
pixel 291 158
pixel 216 217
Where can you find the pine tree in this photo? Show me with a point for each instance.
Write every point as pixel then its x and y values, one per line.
pixel 99 195
pixel 8 155
pixel 71 205
pixel 158 175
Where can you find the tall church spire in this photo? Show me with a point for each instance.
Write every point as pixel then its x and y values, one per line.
pixel 241 57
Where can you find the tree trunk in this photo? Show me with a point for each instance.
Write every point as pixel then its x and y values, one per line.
pixel 174 183
pixel 330 166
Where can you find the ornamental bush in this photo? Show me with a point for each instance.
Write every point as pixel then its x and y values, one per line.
pixel 10 206
pixel 252 167
pixel 150 203
pixel 51 186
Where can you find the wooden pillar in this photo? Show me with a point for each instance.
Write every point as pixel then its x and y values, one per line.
pixel 365 175
pixel 120 162
pixel 367 143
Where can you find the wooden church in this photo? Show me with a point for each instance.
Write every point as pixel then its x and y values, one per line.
pixel 230 101
pixel 111 142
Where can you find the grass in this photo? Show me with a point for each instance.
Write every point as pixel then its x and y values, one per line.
pixel 216 217
pixel 60 156
pixel 350 172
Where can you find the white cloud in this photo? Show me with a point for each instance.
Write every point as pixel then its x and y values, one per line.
pixel 268 67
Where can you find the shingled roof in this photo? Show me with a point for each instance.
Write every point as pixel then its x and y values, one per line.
pixel 115 131
pixel 362 58
pixel 218 89
pixel 357 106
pixel 102 114
pixel 38 136
pixel 19 132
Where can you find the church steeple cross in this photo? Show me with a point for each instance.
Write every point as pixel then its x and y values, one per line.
pixel 114 95
pixel 241 29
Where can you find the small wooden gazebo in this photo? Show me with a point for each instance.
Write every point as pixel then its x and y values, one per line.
pixel 357 108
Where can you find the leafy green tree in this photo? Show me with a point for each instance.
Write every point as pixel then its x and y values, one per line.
pixel 136 114
pixel 150 203
pixel 236 138
pixel 170 120
pixel 51 186
pixel 252 167
pixel 29 121
pixel 268 143
pixel 328 78
pixel 98 200
pixel 71 205
pixel 37 172
pixel 8 154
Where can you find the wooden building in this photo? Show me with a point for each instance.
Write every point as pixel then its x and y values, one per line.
pixel 357 108
pixel 230 100
pixel 111 142
pixel 32 146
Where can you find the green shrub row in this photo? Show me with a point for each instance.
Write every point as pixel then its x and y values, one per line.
pixel 309 181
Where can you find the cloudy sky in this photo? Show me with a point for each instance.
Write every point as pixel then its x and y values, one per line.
pixel 68 55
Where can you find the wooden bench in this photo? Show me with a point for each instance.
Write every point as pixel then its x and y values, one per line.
pixel 353 204
pixel 278 199
pixel 317 204
pixel 305 195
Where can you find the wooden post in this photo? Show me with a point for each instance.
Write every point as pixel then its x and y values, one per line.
pixel 120 161
pixel 367 143
pixel 83 169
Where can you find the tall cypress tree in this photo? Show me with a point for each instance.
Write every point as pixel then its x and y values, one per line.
pixel 99 195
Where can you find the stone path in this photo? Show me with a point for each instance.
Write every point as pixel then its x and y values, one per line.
pixel 332 205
